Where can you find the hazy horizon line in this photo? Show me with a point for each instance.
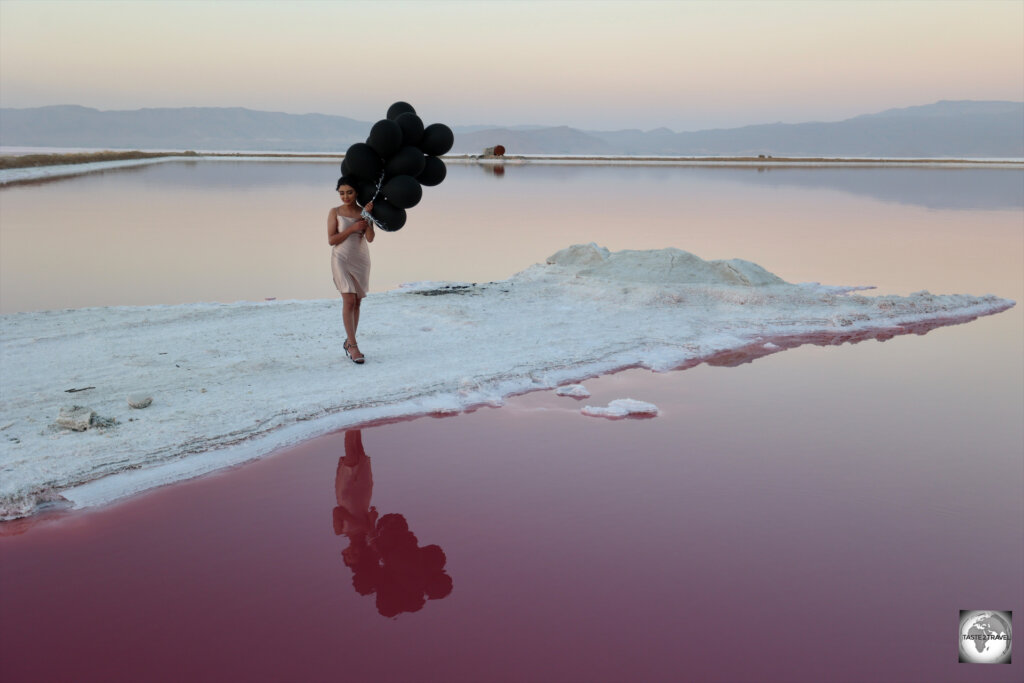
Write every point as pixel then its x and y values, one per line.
pixel 522 125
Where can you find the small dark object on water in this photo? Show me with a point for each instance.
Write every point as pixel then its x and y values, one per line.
pixel 71 391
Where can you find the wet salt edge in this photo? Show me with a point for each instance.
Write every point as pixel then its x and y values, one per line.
pixel 233 382
pixel 573 390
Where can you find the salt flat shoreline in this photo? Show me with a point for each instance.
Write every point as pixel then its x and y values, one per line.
pixel 232 382
pixel 16 176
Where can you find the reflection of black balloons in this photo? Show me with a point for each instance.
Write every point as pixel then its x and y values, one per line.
pixel 412 128
pixel 388 216
pixel 385 137
pixel 384 555
pixel 403 191
pixel 399 108
pixel 434 171
pixel 363 160
pixel 407 161
pixel 437 585
pixel 432 557
pixel 409 574
pixel 437 139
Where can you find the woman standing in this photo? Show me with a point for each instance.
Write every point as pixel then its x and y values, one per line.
pixel 348 234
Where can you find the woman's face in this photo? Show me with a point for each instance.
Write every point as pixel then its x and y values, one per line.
pixel 348 195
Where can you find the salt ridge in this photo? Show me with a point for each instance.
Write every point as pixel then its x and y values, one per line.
pixel 232 382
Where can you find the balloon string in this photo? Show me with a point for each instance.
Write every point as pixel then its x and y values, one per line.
pixel 366 214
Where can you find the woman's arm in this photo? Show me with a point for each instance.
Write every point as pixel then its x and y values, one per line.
pixel 369 234
pixel 334 236
pixel 332 228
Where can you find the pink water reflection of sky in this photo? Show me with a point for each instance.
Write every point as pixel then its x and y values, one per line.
pixel 818 514
pixel 814 515
pixel 228 231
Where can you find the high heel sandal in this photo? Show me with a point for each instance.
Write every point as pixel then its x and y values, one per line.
pixel 358 361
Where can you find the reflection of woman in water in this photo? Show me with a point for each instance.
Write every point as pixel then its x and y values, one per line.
pixel 384 556
pixel 353 486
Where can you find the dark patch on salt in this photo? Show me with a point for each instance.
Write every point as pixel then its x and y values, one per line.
pixel 447 289
pixel 457 289
pixel 102 422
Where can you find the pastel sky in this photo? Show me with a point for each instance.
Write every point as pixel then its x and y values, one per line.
pixel 594 65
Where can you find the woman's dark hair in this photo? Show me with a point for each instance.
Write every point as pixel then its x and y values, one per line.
pixel 346 180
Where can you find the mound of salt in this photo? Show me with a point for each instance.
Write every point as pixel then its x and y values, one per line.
pixel 660 266
pixel 580 256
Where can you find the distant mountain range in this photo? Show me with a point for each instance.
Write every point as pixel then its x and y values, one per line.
pixel 943 129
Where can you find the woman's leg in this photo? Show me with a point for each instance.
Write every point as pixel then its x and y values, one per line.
pixel 348 316
pixel 355 315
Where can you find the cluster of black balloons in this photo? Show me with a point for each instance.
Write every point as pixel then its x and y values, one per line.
pixel 395 162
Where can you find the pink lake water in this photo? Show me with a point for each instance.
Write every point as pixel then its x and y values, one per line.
pixel 189 231
pixel 817 514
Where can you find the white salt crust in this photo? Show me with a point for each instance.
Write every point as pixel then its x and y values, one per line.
pixel 232 382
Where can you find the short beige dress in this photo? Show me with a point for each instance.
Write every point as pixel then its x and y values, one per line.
pixel 350 261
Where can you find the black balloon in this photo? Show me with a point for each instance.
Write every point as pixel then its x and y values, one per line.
pixel 363 160
pixel 407 161
pixel 388 216
pixel 412 128
pixel 385 138
pixel 434 171
pixel 365 190
pixel 399 108
pixel 403 191
pixel 437 139
pixel 404 156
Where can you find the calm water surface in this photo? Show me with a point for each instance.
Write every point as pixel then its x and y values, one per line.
pixel 226 230
pixel 818 514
